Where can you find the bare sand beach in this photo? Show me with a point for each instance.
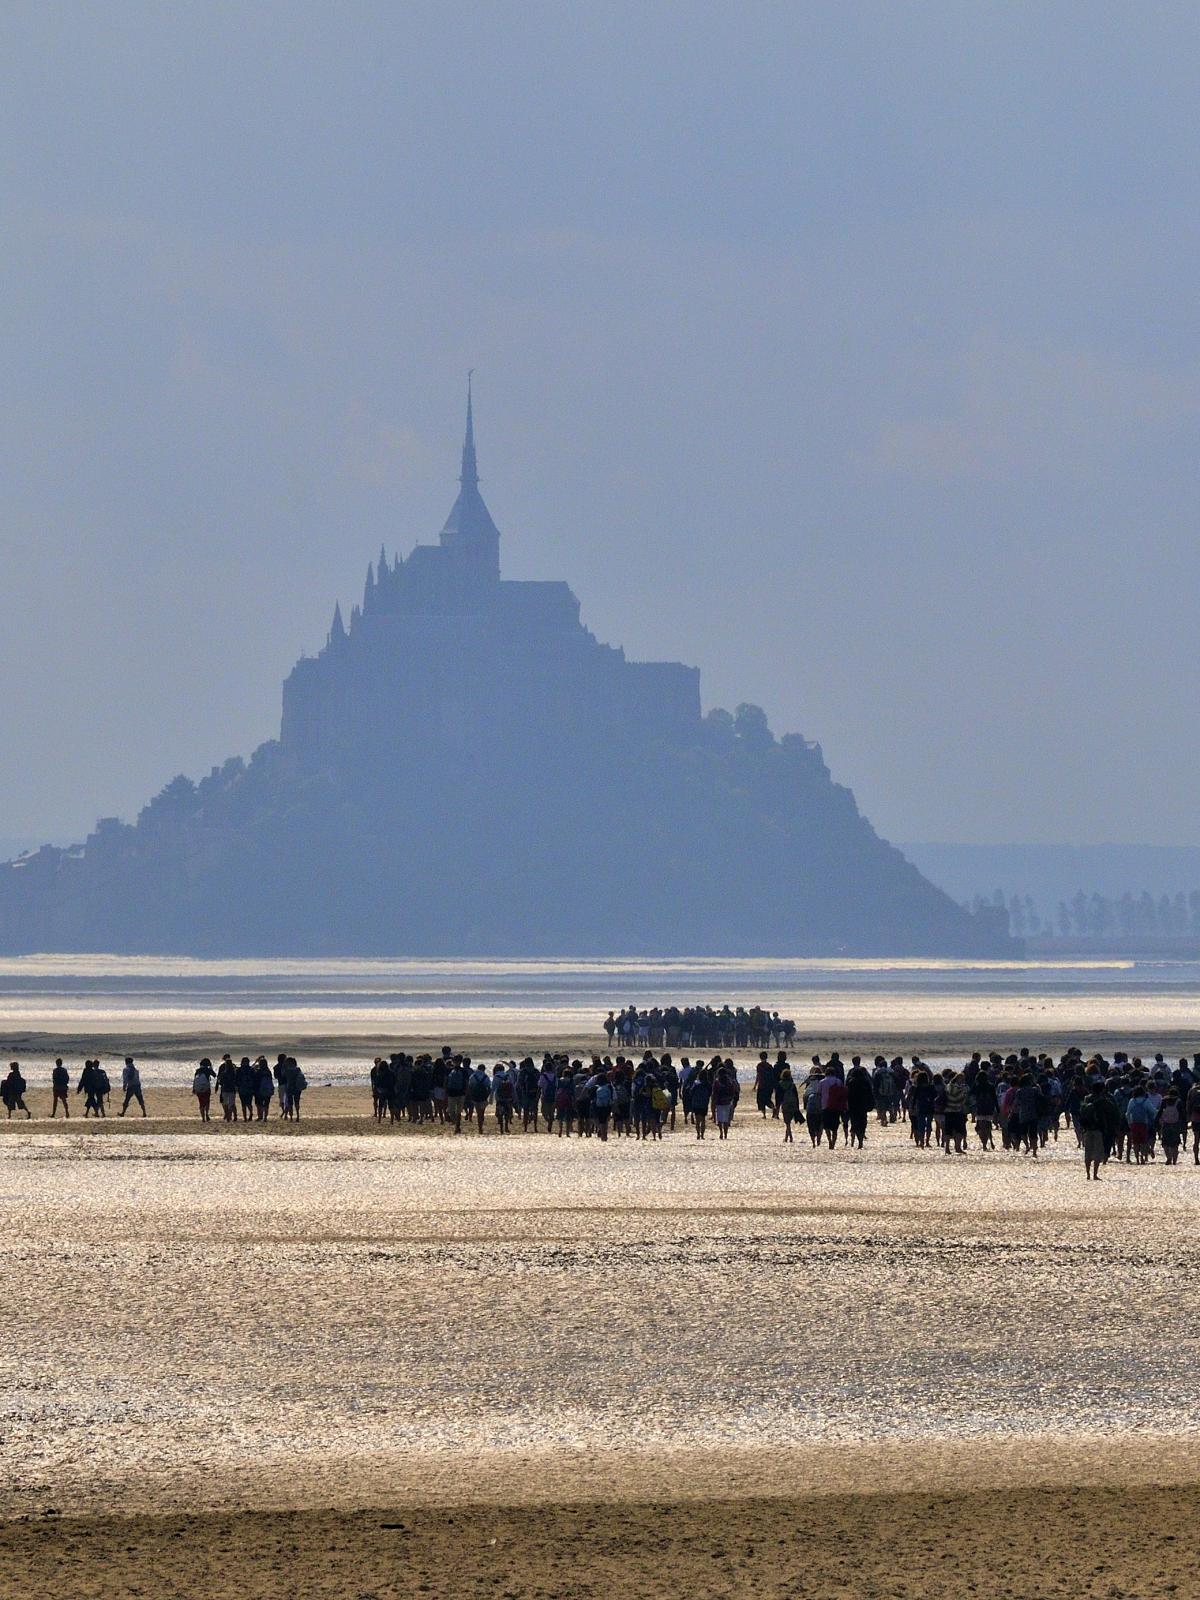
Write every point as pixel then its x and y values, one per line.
pixel 298 1360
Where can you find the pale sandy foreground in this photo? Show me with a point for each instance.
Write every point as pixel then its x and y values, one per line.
pixel 333 1362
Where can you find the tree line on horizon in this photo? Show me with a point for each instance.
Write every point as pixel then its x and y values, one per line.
pixel 1097 916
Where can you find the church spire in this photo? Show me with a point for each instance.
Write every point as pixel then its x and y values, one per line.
pixel 469 477
pixel 338 631
pixel 469 530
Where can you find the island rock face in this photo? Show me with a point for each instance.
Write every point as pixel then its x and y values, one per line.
pixel 465 769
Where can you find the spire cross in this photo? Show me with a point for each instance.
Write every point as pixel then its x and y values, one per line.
pixel 469 476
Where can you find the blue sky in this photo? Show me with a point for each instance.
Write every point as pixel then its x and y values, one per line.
pixel 848 351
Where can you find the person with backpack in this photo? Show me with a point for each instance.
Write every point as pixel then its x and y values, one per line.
pixel 244 1080
pixel 582 1082
pixel 622 1104
pixel 1192 1111
pixel 789 1103
pixel 548 1091
pixel 264 1088
pixel 699 1100
pixel 131 1085
pixel 12 1091
pixel 602 1100
pixel 985 1111
pixel 503 1096
pixel 202 1082
pixel 564 1103
pixel 420 1091
pixel 89 1087
pixel 1170 1127
pixel 883 1082
pixel 724 1098
pixel 860 1101
pixel 479 1092
pixel 1139 1118
pixel 296 1084
pixel 381 1088
pixel 921 1097
pixel 280 1075
pixel 227 1088
pixel 660 1102
pixel 529 1092
pixel 1026 1111
pixel 834 1105
pixel 1091 1126
pixel 456 1088
pixel 438 1073
pixel 955 1125
pixel 643 1087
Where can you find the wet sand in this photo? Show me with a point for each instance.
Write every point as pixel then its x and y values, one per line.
pixel 229 1356
pixel 1047 1542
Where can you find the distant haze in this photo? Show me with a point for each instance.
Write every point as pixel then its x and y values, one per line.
pixel 850 352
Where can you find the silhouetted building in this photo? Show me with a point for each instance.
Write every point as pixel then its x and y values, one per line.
pixel 466 769
pixel 446 661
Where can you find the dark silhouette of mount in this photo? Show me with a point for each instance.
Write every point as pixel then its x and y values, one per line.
pixel 465 769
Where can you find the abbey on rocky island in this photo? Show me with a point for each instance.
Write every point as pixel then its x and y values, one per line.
pixel 464 769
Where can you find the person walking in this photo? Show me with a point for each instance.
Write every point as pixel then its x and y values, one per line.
pixel 264 1088
pixel 245 1080
pixel 131 1086
pixel 479 1092
pixel 1091 1127
pixel 60 1088
pixel 202 1082
pixel 789 1103
pixel 12 1091
pixel 860 1101
pixel 296 1085
pixel 699 1100
pixel 724 1098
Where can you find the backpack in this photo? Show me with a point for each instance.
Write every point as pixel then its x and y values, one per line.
pixel 455 1081
pixel 603 1096
pixel 504 1090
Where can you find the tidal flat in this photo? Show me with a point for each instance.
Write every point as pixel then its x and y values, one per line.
pixel 326 1332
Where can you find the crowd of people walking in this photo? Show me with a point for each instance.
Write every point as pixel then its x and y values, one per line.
pixel 249 1087
pixel 698 1027
pixel 1124 1109
pixel 1120 1108
pixel 627 1098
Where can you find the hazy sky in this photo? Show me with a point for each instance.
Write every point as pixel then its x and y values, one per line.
pixel 849 351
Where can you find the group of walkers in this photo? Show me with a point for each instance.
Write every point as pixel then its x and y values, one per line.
pixel 93 1084
pixel 250 1086
pixel 627 1098
pixel 1123 1109
pixel 698 1027
pixel 1118 1109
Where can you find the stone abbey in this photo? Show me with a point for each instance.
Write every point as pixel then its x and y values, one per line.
pixel 464 769
pixel 445 659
